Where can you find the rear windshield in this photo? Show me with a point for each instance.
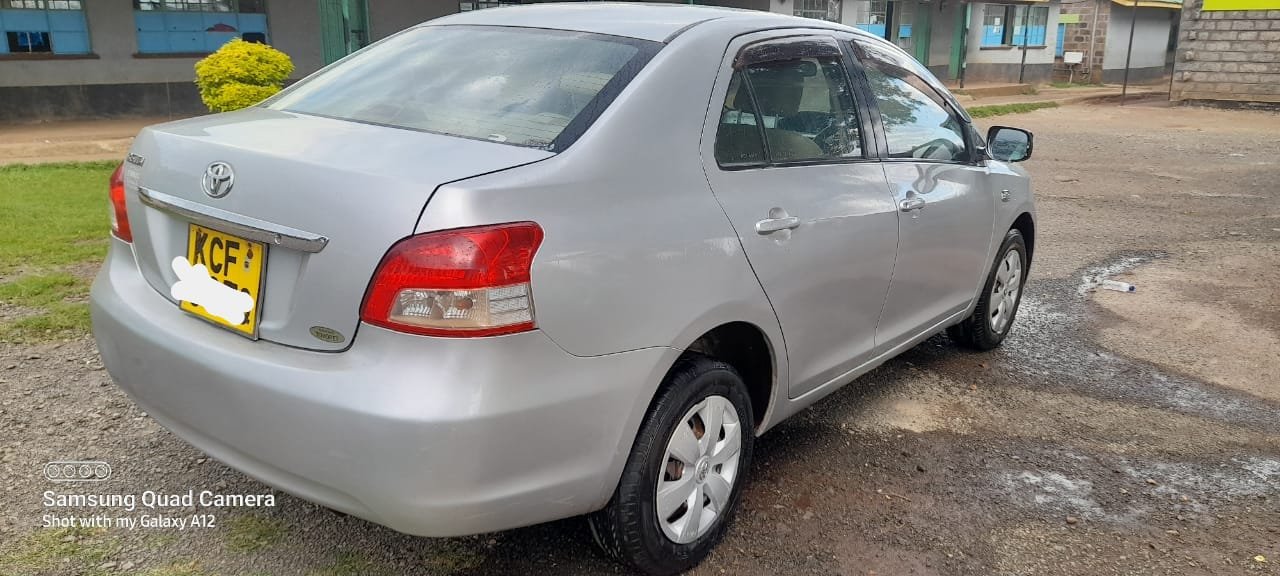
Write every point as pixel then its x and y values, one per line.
pixel 521 86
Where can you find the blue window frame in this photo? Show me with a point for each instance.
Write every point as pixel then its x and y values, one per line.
pixel 43 27
pixel 197 26
pixel 875 18
pixel 1002 25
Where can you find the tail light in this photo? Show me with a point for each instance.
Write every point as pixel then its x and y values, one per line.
pixel 119 218
pixel 459 283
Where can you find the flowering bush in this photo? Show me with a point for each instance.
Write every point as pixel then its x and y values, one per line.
pixel 241 74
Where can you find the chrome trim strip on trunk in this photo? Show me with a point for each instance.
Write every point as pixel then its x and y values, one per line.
pixel 232 223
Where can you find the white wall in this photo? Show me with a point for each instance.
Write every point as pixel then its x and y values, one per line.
pixel 1150 37
pixel 849 10
pixel 852 9
pixel 1013 55
pixel 943 30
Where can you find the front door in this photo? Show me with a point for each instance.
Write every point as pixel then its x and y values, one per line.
pixel 786 149
pixel 344 28
pixel 946 210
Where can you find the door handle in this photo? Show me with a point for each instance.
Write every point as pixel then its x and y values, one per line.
pixel 911 203
pixel 777 222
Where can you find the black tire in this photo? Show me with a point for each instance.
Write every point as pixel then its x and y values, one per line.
pixel 977 331
pixel 628 528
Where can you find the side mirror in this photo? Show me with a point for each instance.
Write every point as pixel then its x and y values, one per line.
pixel 1009 144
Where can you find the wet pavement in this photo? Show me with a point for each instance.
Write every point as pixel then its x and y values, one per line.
pixel 1114 433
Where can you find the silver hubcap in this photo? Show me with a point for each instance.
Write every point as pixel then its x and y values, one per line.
pixel 699 470
pixel 1005 291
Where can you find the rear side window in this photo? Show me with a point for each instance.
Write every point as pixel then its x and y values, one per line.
pixel 738 138
pixel 522 86
pixel 801 109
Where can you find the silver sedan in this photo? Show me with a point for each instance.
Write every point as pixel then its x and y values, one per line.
pixel 516 265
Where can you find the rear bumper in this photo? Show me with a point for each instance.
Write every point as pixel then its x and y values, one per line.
pixel 435 437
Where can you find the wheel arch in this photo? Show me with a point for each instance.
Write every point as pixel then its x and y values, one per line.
pixel 748 349
pixel 1026 225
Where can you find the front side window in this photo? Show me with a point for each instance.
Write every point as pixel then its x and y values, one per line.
pixel 917 122
pixel 197 26
pixel 43 26
pixel 1008 25
pixel 804 107
pixel 520 86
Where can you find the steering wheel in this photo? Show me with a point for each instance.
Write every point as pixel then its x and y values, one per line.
pixel 829 138
pixel 929 148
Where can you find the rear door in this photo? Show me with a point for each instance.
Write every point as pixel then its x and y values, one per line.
pixel 786 152
pixel 946 210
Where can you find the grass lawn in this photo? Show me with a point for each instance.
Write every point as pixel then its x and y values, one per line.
pixel 1002 109
pixel 54 230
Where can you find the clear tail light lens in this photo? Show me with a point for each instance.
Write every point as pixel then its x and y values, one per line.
pixel 119 217
pixel 459 283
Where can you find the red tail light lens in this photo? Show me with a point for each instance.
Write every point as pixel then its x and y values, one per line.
pixel 459 283
pixel 119 218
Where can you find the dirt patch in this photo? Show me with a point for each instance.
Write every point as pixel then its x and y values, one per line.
pixel 928 402
pixel 1213 318
pixel 70 141
pixel 924 402
pixel 10 312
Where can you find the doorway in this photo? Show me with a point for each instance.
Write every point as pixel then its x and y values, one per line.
pixel 344 28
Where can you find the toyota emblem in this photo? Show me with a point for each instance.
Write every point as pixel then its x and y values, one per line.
pixel 218 179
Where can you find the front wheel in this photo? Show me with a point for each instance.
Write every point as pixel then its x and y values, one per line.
pixel 998 304
pixel 684 476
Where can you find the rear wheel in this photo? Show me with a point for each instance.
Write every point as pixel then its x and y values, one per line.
pixel 993 315
pixel 683 479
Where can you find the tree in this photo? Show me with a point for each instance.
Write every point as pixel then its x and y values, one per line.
pixel 241 74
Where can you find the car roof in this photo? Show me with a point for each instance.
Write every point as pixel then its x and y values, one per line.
pixel 656 22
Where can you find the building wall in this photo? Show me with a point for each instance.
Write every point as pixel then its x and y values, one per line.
pixel 849 9
pixel 1089 36
pixel 115 80
pixel 387 18
pixel 294 28
pixel 945 15
pixel 113 43
pixel 1230 56
pixel 1001 64
pixel 1150 43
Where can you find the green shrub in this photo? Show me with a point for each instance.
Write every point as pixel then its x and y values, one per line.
pixel 241 74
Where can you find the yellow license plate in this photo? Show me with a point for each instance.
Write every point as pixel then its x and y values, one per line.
pixel 232 262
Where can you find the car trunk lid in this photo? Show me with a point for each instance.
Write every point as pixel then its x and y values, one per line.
pixel 332 195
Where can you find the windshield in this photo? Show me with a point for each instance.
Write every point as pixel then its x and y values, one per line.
pixel 521 86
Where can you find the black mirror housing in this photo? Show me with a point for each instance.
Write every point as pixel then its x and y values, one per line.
pixel 1009 144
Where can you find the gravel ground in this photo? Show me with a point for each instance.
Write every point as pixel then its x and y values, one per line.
pixel 1113 434
pixel 70 141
